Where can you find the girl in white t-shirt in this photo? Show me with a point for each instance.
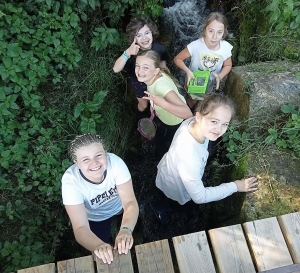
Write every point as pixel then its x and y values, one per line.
pixel 181 169
pixel 209 52
pixel 94 189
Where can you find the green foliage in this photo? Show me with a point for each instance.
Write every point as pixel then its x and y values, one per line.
pixel 285 16
pixel 46 99
pixel 282 131
pixel 89 118
pixel 269 30
pixel 104 37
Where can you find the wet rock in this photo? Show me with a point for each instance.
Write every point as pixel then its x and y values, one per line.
pixel 259 90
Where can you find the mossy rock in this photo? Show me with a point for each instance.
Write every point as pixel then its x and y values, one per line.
pixel 279 185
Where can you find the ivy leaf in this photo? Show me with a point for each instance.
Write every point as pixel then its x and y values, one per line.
pixel 7 61
pixel 48 2
pixel 92 4
pixel 289 108
pixel 88 126
pixel 83 17
pixel 78 109
pixel 4 73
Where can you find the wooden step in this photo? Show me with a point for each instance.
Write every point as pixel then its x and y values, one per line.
pixel 154 257
pixel 45 268
pixel 290 227
pixel 121 264
pixel 82 264
pixel 193 253
pixel 267 244
pixel 230 250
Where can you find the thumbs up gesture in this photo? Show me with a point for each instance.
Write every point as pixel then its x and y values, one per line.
pixel 133 49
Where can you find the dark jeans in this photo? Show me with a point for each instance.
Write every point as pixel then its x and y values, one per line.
pixel 187 207
pixel 163 139
pixel 101 229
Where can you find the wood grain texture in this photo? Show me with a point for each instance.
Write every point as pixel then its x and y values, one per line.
pixel 154 257
pixel 193 253
pixel 77 265
pixel 46 268
pixel 231 250
pixel 294 268
pixel 121 264
pixel 267 244
pixel 290 226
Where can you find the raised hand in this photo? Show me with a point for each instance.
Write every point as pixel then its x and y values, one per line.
pixel 133 49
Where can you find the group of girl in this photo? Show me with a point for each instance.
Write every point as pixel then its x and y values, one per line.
pixel 98 186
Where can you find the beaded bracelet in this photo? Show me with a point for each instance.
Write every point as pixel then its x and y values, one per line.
pixel 125 55
pixel 126 228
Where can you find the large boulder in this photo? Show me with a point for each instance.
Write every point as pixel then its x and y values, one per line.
pixel 262 88
pixel 259 91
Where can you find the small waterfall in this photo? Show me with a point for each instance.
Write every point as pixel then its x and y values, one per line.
pixel 181 24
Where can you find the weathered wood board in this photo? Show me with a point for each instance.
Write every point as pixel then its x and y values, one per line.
pixel 230 249
pixel 193 253
pixel 154 257
pixel 121 264
pixel 45 268
pixel 290 226
pixel 77 265
pixel 267 244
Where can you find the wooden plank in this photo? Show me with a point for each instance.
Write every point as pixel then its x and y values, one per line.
pixel 154 257
pixel 193 253
pixel 121 264
pixel 77 265
pixel 231 250
pixel 290 226
pixel 267 244
pixel 294 268
pixel 46 268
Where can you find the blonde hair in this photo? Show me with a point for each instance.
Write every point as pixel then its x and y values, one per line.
pixel 219 18
pixel 82 141
pixel 154 56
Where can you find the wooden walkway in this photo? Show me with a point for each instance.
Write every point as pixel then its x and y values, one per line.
pixel 269 246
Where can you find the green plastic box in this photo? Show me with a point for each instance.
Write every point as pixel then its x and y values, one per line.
pixel 198 85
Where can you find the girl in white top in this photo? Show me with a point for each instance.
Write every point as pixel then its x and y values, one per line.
pixel 181 169
pixel 164 96
pixel 209 52
pixel 94 189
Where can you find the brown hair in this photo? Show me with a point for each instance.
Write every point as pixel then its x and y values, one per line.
pixel 81 141
pixel 154 56
pixel 213 101
pixel 218 17
pixel 136 24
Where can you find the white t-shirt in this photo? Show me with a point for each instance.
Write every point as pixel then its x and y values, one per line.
pixel 181 169
pixel 101 201
pixel 203 58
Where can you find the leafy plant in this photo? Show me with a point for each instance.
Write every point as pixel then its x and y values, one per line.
pixel 104 37
pixel 282 131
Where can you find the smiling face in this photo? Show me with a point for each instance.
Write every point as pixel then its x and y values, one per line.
pixel 214 124
pixel 214 32
pixel 92 161
pixel 145 70
pixel 144 38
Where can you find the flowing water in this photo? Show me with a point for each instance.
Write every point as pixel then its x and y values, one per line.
pixel 182 23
